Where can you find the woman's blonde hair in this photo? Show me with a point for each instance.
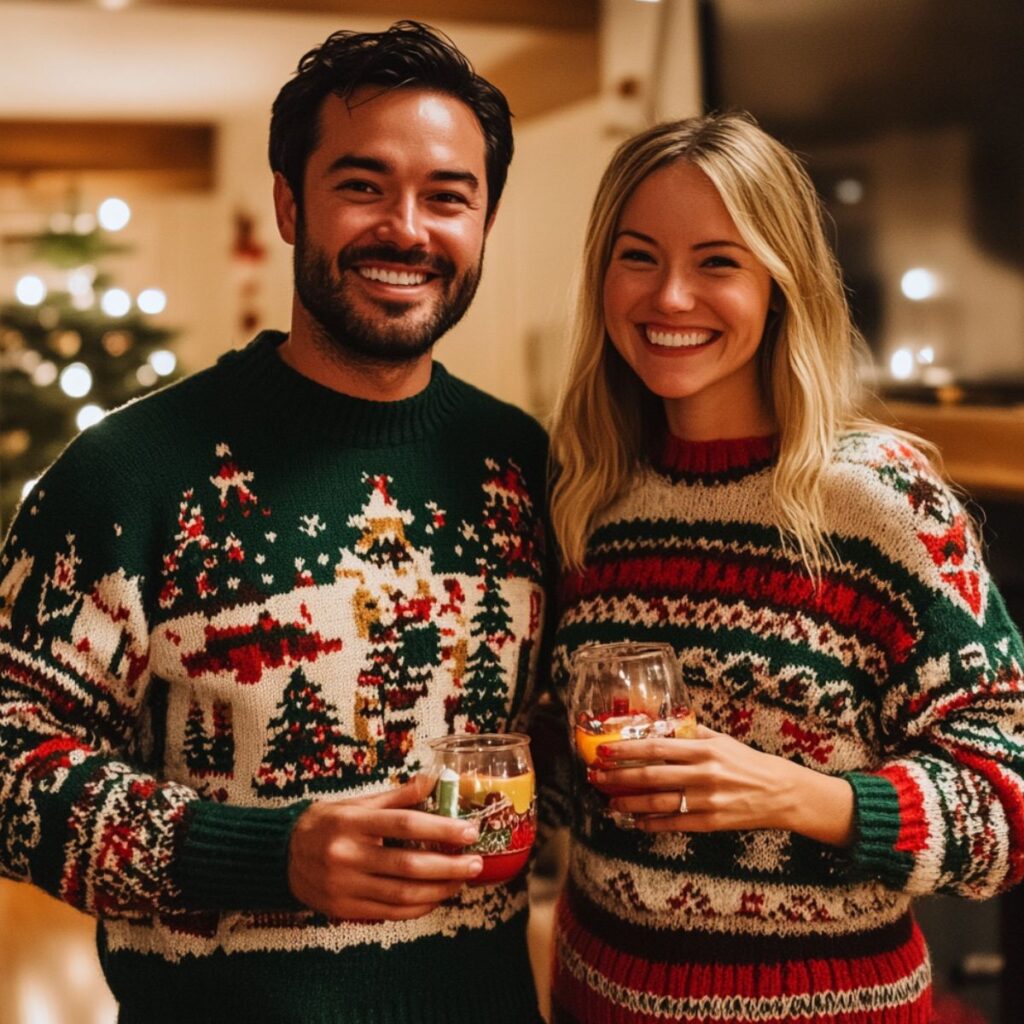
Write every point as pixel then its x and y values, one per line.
pixel 606 419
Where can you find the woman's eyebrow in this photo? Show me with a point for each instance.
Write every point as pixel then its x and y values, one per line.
pixel 716 243
pixel 636 234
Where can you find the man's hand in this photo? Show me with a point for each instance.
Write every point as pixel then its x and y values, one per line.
pixel 338 863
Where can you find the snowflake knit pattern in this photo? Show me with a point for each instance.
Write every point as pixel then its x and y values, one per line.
pixel 236 596
pixel 903 675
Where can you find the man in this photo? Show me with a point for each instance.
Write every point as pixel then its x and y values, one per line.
pixel 235 613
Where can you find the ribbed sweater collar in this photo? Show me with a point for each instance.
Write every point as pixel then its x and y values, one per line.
pixel 275 389
pixel 720 460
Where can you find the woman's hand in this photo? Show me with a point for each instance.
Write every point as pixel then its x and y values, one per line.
pixel 727 785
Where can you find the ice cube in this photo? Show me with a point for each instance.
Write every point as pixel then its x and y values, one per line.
pixel 637 731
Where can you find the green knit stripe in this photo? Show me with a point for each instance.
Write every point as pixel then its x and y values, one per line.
pixel 877 822
pixel 236 857
pixel 473 976
pixel 271 384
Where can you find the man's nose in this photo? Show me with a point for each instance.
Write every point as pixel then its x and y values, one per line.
pixel 402 223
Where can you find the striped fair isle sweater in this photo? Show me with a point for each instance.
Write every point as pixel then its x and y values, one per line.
pixel 903 675
pixel 241 594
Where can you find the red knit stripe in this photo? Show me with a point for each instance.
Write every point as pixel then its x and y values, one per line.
pixel 755 981
pixel 913 834
pixel 757 580
pixel 1010 796
pixel 718 456
pixel 586 1005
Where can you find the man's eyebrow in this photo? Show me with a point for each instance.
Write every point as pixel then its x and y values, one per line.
pixel 352 161
pixel 466 177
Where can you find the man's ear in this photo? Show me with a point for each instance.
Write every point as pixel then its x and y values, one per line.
pixel 490 218
pixel 285 208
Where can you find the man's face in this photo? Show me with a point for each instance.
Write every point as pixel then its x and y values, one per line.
pixel 389 243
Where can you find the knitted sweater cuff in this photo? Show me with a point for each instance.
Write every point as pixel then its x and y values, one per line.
pixel 876 851
pixel 236 858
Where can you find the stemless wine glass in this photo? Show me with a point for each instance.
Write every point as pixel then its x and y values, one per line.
pixel 488 778
pixel 626 691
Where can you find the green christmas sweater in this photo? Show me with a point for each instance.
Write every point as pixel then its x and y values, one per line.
pixel 236 596
pixel 903 674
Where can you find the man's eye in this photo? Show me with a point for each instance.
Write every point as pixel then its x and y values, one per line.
pixel 450 197
pixel 357 185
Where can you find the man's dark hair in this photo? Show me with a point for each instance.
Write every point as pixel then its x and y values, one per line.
pixel 407 55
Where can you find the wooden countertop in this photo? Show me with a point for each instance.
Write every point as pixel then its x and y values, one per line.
pixel 982 446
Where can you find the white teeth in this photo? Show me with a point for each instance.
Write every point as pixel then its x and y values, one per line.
pixel 678 339
pixel 391 276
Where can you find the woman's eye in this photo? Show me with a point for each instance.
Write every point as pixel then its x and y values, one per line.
pixel 636 256
pixel 720 261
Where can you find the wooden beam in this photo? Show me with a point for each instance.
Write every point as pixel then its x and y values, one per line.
pixel 182 154
pixel 578 14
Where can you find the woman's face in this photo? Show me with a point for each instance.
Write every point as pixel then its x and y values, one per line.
pixel 685 304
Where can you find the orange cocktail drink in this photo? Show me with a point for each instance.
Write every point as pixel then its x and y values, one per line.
pixel 625 691
pixel 623 723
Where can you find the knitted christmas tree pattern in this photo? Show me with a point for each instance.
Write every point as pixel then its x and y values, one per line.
pixel 509 550
pixel 209 752
pixel 206 565
pixel 305 748
pixel 411 630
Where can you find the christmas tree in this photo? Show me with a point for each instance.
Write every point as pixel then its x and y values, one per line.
pixel 72 345
pixel 486 686
pixel 509 545
pixel 304 750
pixel 207 754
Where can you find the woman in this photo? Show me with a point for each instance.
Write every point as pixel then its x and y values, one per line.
pixel 856 674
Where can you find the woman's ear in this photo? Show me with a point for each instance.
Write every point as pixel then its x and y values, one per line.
pixel 776 300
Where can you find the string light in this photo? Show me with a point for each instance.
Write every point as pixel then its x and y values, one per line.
pixel 89 415
pixel 44 374
pixel 163 362
pixel 30 290
pixel 901 364
pixel 116 302
pixel 152 300
pixel 80 280
pixel 114 213
pixel 76 380
pixel 849 191
pixel 919 284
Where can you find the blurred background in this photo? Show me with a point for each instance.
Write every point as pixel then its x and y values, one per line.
pixel 137 243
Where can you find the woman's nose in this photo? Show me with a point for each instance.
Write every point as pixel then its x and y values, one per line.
pixel 676 293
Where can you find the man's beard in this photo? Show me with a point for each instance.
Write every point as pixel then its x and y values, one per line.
pixel 389 337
